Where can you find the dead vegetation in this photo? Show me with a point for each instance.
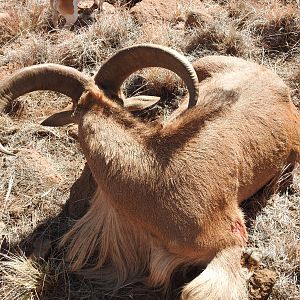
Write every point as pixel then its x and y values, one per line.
pixel 266 31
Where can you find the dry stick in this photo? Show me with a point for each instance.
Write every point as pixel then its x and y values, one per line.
pixel 9 188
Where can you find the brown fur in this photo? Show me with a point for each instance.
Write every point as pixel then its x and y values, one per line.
pixel 168 195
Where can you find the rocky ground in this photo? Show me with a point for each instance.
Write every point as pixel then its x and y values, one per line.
pixel 36 184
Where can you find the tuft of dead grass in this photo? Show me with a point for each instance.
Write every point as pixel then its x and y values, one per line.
pixel 275 232
pixel 30 17
pixel 156 82
pixel 277 27
pixel 224 39
pixel 211 29
pixel 84 48
pixel 24 278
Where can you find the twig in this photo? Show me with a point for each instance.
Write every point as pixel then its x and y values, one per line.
pixel 10 184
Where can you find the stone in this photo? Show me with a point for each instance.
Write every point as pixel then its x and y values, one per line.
pixel 108 8
pixel 261 284
pixel 154 11
pixel 38 168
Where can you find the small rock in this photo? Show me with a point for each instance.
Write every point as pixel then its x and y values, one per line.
pixel 108 8
pixel 153 11
pixel 37 167
pixel 261 284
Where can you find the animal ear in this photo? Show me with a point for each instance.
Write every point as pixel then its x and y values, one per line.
pixel 60 119
pixel 140 102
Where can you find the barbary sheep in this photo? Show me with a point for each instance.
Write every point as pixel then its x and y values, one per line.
pixel 69 10
pixel 168 194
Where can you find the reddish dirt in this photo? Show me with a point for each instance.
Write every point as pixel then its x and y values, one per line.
pixel 153 11
pixel 38 166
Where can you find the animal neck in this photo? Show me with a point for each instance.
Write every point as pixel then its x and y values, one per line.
pixel 114 147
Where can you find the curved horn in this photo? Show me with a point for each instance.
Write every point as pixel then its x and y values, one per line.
pixel 129 60
pixel 53 77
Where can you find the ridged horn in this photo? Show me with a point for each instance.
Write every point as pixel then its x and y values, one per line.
pixel 129 60
pixel 52 77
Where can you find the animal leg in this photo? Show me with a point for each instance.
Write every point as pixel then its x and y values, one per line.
pixel 55 18
pixel 162 265
pixel 222 279
pixel 54 13
pixel 70 20
pixel 99 4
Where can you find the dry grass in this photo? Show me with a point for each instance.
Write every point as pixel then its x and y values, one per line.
pixel 278 28
pixel 32 201
pixel 24 278
pixel 213 31
pixel 275 232
pixel 23 19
